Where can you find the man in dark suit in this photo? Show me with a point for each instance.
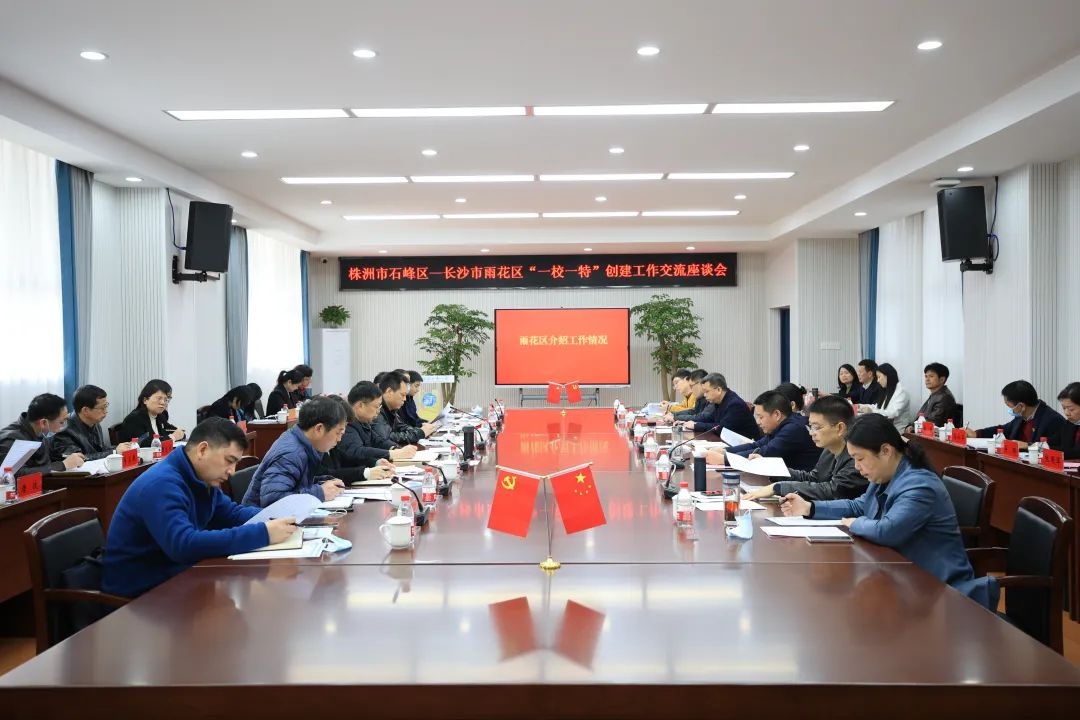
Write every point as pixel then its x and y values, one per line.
pixel 1030 418
pixel 84 433
pixel 725 408
pixel 46 416
pixel 784 437
pixel 868 391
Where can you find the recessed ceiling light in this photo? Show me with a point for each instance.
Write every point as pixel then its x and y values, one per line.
pixel 616 150
pixel 383 252
pixel 689 213
pixel 234 222
pixel 364 53
pixel 460 200
pixel 249 154
pixel 648 51
pixel 691 247
pixel 656 109
pixel 587 249
pixel 799 107
pixel 391 217
pixel 93 55
pixel 471 178
pixel 429 152
pixel 485 250
pixel 801 148
pixel 929 45
pixel 492 216
pixel 438 112
pixel 132 178
pixel 615 214
pixel 860 214
pixel 327 202
pixel 316 114
pixel 740 196
pixel 965 168
pixel 344 180
pixel 592 177
pixel 601 198
pixel 730 175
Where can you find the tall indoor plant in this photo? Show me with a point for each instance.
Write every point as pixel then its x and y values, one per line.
pixel 670 322
pixel 455 334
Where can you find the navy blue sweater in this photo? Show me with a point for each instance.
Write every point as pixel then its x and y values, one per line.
pixel 167 521
pixel 789 441
pixel 291 466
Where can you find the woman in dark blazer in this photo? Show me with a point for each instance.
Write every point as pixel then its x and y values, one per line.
pixel 254 409
pixel 230 406
pixel 150 416
pixel 282 394
pixel 1070 408
pixel 846 381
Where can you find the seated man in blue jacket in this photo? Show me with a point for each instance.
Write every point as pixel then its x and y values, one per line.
pixel 724 409
pixel 785 437
pixel 291 466
pixel 175 515
pixel 905 507
pixel 1029 417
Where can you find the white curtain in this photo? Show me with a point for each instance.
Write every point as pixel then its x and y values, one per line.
pixel 899 299
pixel 275 314
pixel 32 360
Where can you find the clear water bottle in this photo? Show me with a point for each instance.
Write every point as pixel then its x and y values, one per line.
pixel 493 419
pixel 459 458
pixel 663 467
pixel 919 423
pixel 1035 450
pixel 430 488
pixel 8 486
pixel 651 447
pixel 405 509
pixel 999 441
pixel 683 506
pixel 949 427
pixel 155 445
pixel 639 435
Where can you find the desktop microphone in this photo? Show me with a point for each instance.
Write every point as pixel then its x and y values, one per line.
pixel 420 513
pixel 444 484
pixel 680 464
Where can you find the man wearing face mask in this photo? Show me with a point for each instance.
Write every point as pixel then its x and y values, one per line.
pixel 46 416
pixel 1029 417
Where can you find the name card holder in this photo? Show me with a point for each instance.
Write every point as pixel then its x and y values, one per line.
pixel 166 447
pixel 131 458
pixel 29 486
pixel 1011 450
pixel 1051 460
pixel 929 430
pixel 958 437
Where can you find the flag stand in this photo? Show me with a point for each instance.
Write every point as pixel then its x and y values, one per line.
pixel 550 564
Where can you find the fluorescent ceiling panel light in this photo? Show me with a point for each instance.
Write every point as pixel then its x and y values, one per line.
pixel 249 154
pixel 492 216
pixel 648 51
pixel 730 175
pixel 929 45
pixel 505 111
pixel 327 202
pixel 133 179
pixel 689 213
pixel 740 196
pixel 780 108
pixel 661 109
pixel 965 168
pixel 93 55
pixel 429 152
pixel 801 148
pixel 364 53
pixel 860 214
pixel 613 214
pixel 391 217
pixel 471 178
pixel 616 150
pixel 390 180
pixel 317 114
pixel 593 177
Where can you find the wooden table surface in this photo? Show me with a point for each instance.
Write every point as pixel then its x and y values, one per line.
pixel 640 622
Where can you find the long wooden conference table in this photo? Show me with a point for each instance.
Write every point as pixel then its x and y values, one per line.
pixel 642 621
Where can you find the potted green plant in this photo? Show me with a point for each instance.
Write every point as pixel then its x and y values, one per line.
pixel 455 334
pixel 670 322
pixel 334 315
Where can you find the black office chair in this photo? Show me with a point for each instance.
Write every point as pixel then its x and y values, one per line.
pixel 114 434
pixel 239 482
pixel 1035 566
pixel 972 495
pixel 63 551
pixel 958 420
pixel 201 413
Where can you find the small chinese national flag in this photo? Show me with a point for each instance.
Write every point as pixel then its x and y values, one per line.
pixel 554 394
pixel 579 633
pixel 578 500
pixel 573 392
pixel 514 625
pixel 512 506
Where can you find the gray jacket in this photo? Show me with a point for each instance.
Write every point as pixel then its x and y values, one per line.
pixel 939 407
pixel 833 478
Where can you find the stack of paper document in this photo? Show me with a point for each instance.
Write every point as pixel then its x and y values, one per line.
pixel 812 531
pixel 767 466
pixel 803 522
pixel 308 549
pixel 341 502
pixel 20 452
pixel 294 506
pixel 375 493
pixel 733 438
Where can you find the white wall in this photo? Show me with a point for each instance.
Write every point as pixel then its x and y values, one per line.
pixel 385 326
pixel 1067 341
pixel 827 304
pixel 781 291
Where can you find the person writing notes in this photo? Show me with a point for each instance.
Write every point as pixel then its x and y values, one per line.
pixel 905 507
pixel 291 466
pixel 785 437
pixel 1029 417
pixel 84 434
pixel 358 445
pixel 175 514
pixel 684 398
pixel 283 394
pixel 46 416
pixel 388 425
pixel 233 404
pixel 350 461
pixel 151 416
pixel 835 475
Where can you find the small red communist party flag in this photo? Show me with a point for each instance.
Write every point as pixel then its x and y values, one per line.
pixel 554 394
pixel 578 500
pixel 573 392
pixel 512 506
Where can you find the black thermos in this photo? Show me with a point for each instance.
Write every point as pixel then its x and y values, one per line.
pixel 470 439
pixel 699 474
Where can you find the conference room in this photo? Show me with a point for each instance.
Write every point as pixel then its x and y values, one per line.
pixel 576 360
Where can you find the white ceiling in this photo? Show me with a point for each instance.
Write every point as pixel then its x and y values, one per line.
pixel 246 54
